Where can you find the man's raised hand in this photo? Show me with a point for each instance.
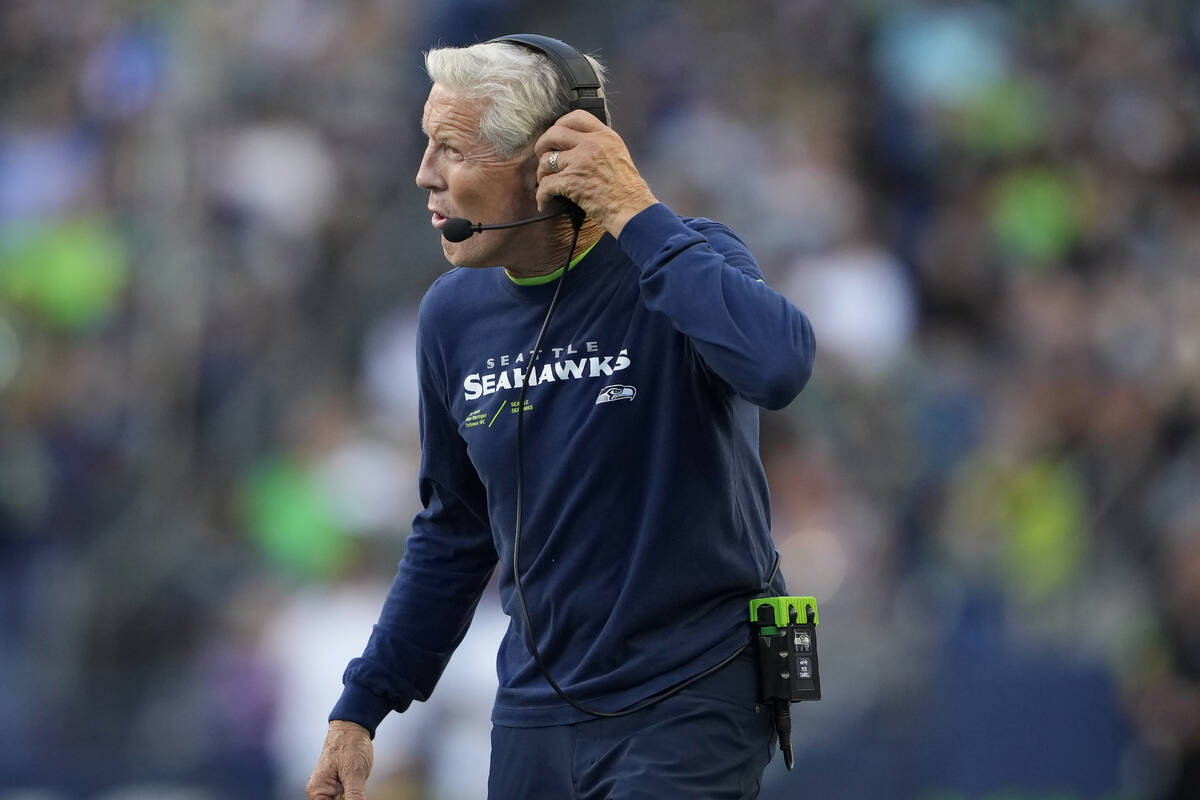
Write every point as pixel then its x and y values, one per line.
pixel 594 170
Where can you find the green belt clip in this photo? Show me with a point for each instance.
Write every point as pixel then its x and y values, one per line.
pixel 785 636
pixel 786 640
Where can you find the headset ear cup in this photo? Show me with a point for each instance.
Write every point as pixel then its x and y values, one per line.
pixel 595 105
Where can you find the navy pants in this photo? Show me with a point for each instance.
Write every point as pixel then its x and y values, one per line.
pixel 710 741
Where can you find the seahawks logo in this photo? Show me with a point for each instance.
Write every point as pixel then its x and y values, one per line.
pixel 615 392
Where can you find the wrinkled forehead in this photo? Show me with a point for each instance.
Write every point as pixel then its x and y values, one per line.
pixel 448 109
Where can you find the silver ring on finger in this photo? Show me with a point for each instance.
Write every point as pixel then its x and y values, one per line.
pixel 553 162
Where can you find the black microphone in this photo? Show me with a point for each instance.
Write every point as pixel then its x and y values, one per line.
pixel 457 229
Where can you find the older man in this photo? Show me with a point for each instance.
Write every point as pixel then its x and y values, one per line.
pixel 640 504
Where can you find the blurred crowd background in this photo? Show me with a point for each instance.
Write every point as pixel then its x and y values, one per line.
pixel 211 254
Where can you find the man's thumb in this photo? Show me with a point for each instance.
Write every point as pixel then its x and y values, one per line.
pixel 354 784
pixel 354 788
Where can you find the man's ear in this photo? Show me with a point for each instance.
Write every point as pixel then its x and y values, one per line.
pixel 529 168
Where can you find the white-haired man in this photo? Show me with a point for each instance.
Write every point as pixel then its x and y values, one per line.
pixel 645 517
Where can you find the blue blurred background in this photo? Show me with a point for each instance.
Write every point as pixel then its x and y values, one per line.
pixel 211 252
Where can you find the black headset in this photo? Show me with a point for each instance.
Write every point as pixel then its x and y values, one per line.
pixel 580 76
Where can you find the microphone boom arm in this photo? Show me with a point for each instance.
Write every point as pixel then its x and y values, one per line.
pixel 457 229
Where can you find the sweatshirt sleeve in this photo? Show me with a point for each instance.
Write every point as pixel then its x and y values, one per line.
pixel 448 559
pixel 709 285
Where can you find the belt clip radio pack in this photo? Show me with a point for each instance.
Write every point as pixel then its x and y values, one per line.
pixel 785 639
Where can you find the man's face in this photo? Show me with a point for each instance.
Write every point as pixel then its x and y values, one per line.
pixel 465 178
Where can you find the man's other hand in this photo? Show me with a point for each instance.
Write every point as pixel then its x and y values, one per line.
pixel 592 168
pixel 344 765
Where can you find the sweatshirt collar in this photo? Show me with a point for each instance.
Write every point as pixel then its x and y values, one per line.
pixel 541 288
pixel 538 280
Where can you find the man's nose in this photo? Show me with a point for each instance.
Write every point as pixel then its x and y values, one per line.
pixel 429 177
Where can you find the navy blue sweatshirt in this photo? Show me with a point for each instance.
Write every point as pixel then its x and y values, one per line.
pixel 646 515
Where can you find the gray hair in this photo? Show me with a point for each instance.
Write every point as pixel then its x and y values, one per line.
pixel 522 91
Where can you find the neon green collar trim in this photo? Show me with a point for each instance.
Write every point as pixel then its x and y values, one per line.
pixel 538 280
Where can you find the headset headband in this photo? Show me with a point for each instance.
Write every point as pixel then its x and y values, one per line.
pixel 573 65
